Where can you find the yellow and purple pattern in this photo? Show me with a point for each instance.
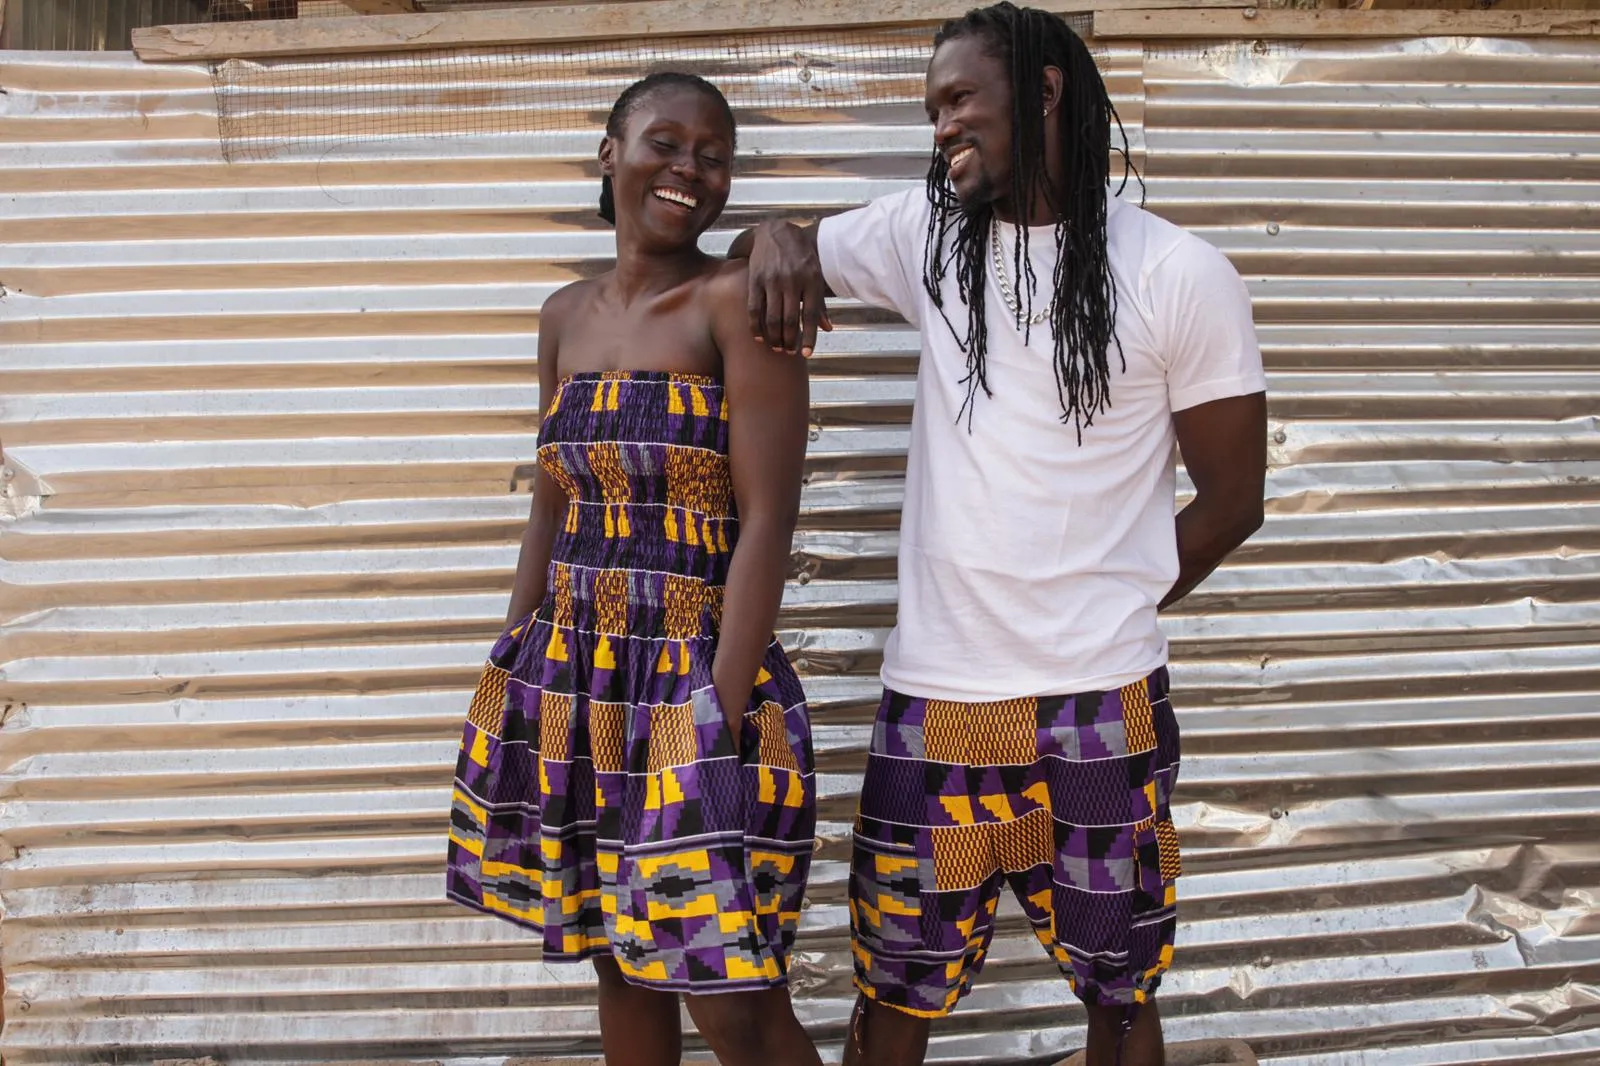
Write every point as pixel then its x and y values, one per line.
pixel 1064 799
pixel 599 795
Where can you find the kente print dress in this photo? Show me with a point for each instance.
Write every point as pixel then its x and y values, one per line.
pixel 599 799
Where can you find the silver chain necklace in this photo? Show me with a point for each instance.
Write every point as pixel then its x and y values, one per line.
pixel 1006 292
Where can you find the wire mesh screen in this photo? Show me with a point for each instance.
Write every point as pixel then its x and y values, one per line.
pixel 233 10
pixel 277 109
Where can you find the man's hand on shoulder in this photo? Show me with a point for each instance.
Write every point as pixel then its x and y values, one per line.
pixel 786 291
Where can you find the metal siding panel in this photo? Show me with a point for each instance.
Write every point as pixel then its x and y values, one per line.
pixel 261 420
pixel 90 25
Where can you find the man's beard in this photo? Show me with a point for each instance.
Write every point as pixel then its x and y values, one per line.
pixel 983 194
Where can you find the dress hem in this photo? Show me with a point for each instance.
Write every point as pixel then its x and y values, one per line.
pixel 685 987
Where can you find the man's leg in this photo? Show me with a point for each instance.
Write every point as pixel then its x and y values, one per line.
pixel 638 1026
pixel 883 1036
pixel 923 881
pixel 1141 1046
pixel 1107 913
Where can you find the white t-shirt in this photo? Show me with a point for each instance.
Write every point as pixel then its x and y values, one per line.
pixel 1031 565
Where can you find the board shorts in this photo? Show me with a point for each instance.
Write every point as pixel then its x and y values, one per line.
pixel 1065 799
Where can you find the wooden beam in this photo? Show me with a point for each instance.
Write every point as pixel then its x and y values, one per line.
pixel 381 7
pixel 625 19
pixel 1257 23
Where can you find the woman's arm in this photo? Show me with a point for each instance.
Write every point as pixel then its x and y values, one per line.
pixel 768 404
pixel 549 499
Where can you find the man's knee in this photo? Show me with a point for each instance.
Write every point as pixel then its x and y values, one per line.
pixel 894 1022
pixel 1117 1017
pixel 884 1036
pixel 1130 1036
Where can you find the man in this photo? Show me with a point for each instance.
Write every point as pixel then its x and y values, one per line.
pixel 1025 737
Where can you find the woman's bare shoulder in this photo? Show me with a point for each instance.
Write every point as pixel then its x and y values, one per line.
pixel 729 279
pixel 566 301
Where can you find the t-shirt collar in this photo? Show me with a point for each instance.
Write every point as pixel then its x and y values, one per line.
pixel 1009 229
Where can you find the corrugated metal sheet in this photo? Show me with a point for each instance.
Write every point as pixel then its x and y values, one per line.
pixel 260 421
pixel 91 25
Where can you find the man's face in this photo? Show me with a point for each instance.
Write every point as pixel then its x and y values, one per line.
pixel 969 103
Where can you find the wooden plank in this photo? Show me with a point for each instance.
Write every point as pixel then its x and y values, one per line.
pixel 1498 5
pixel 343 35
pixel 381 7
pixel 1253 23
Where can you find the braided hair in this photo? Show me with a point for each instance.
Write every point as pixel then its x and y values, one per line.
pixel 1084 296
pixel 633 96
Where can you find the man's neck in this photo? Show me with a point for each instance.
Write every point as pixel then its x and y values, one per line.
pixel 1040 213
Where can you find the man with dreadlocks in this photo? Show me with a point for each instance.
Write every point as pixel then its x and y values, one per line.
pixel 1069 339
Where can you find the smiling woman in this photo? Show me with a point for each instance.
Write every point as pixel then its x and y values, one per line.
pixel 635 779
pixel 663 136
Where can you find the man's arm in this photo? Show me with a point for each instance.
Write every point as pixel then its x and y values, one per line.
pixel 1224 448
pixel 787 291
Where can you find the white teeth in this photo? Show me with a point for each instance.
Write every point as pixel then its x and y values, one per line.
pixel 676 197
pixel 959 158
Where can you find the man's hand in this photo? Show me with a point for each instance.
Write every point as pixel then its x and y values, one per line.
pixel 786 286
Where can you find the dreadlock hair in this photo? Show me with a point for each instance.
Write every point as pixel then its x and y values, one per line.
pixel 1083 310
pixel 633 96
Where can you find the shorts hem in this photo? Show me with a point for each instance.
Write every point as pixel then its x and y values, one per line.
pixel 1093 994
pixel 866 989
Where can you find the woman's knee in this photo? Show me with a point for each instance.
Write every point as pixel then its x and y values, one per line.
pixel 618 989
pixel 753 1023
pixel 606 970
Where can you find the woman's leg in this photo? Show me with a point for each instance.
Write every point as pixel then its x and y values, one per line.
pixel 638 1026
pixel 753 1028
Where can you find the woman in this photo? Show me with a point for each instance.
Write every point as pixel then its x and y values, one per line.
pixel 635 778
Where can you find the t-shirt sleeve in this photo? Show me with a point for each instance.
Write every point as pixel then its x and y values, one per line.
pixel 1206 327
pixel 874 253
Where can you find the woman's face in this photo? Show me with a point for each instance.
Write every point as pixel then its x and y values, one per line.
pixel 670 168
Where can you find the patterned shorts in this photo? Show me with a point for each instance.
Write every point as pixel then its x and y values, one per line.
pixel 1064 798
